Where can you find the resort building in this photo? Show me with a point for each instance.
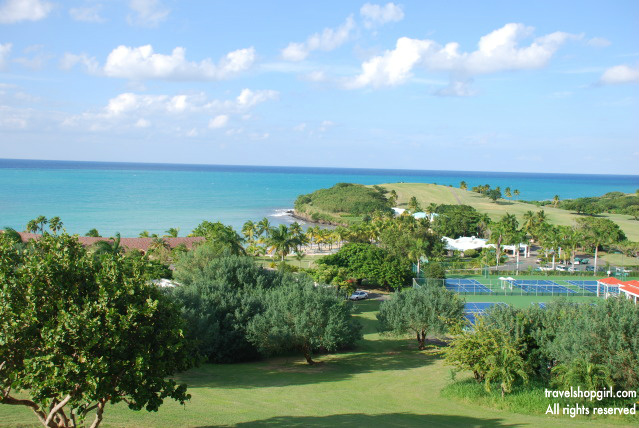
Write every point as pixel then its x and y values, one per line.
pixel 608 287
pixel 631 290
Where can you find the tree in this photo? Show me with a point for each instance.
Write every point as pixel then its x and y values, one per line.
pixel 413 205
pixel 79 333
pixel 494 194
pixel 582 373
pixel 249 230
pixel 555 201
pixel 508 193
pixel 220 234
pixel 93 233
pixel 37 225
pixel 491 354
pixel 366 262
pixel 172 232
pixel 421 312
pixel 463 185
pixel 600 231
pixel 299 316
pixel 454 221
pixel 281 241
pixel 504 231
pixel 392 199
pixel 516 193
pixel 108 247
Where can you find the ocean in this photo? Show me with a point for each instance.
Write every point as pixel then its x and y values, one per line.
pixel 132 197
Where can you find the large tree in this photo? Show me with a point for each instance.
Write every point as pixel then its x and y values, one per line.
pixel 600 231
pixel 367 262
pixel 79 333
pixel 421 312
pixel 305 318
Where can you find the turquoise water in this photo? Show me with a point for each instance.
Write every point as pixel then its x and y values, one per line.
pixel 129 198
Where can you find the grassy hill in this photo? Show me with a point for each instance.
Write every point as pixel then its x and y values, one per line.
pixel 434 193
pixel 341 204
pixel 383 382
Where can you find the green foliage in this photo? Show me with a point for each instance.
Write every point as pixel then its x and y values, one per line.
pixel 301 317
pixel 354 199
pixel 93 233
pixel 581 373
pixel 612 202
pixel 79 332
pixel 455 221
pixel 491 354
pixel 367 261
pixel 219 296
pixel 471 253
pixel 421 312
pixel 408 238
pixel 220 235
pixel 493 194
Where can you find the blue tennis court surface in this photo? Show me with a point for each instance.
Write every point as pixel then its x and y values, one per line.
pixel 590 286
pixel 466 286
pixel 541 286
pixel 474 309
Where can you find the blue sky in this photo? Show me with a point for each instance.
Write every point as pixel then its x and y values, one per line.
pixel 539 86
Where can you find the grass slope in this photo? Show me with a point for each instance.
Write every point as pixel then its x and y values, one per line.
pixel 433 193
pixel 385 382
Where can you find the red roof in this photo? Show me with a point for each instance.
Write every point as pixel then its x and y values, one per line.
pixel 630 288
pixel 142 244
pixel 610 281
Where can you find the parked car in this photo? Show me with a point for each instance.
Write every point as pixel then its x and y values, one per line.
pixel 560 268
pixel 584 261
pixel 359 295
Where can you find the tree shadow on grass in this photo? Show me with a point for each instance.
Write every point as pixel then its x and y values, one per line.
pixel 351 420
pixel 293 370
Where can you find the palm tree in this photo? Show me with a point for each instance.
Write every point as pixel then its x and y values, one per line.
pixel 507 192
pixel 281 241
pixel 172 232
pixel 263 227
pixel 555 200
pixel 299 255
pixel 144 234
pixel 249 230
pixel 392 199
pixel 483 225
pixel 413 205
pixel 516 193
pixel 108 247
pixel 36 224
pixel 463 185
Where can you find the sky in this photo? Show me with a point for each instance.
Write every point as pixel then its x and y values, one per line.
pixel 536 86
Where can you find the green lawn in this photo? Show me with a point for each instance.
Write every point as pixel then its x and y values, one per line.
pixel 384 382
pixel 433 193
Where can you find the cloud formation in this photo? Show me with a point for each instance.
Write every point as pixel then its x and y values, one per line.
pixel 12 11
pixel 139 63
pixel 134 110
pixel 375 15
pixel 147 13
pixel 328 40
pixel 497 51
pixel 5 49
pixel 620 74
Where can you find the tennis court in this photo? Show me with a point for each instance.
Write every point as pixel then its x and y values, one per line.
pixel 474 309
pixel 590 286
pixel 466 286
pixel 541 286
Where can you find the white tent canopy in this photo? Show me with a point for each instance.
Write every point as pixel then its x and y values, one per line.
pixel 473 243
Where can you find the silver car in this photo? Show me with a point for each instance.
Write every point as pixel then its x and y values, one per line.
pixel 359 295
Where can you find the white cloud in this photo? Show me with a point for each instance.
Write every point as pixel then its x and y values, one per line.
pixel 325 125
pixel 248 98
pixel 497 51
pixel 87 14
pixel 457 88
pixel 5 49
pixel 328 40
pixel 24 10
pixel 219 121
pixel 142 63
pixel 598 42
pixel 69 61
pixel 300 127
pixel 147 13
pixel 36 57
pixel 131 110
pixel 620 74
pixel 375 14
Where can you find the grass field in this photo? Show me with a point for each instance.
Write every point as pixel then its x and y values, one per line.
pixel 384 382
pixel 433 193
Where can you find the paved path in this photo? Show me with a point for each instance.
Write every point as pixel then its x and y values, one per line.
pixel 454 192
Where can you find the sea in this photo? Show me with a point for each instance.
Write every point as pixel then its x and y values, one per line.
pixel 132 197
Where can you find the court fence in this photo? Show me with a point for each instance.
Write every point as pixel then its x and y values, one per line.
pixel 515 287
